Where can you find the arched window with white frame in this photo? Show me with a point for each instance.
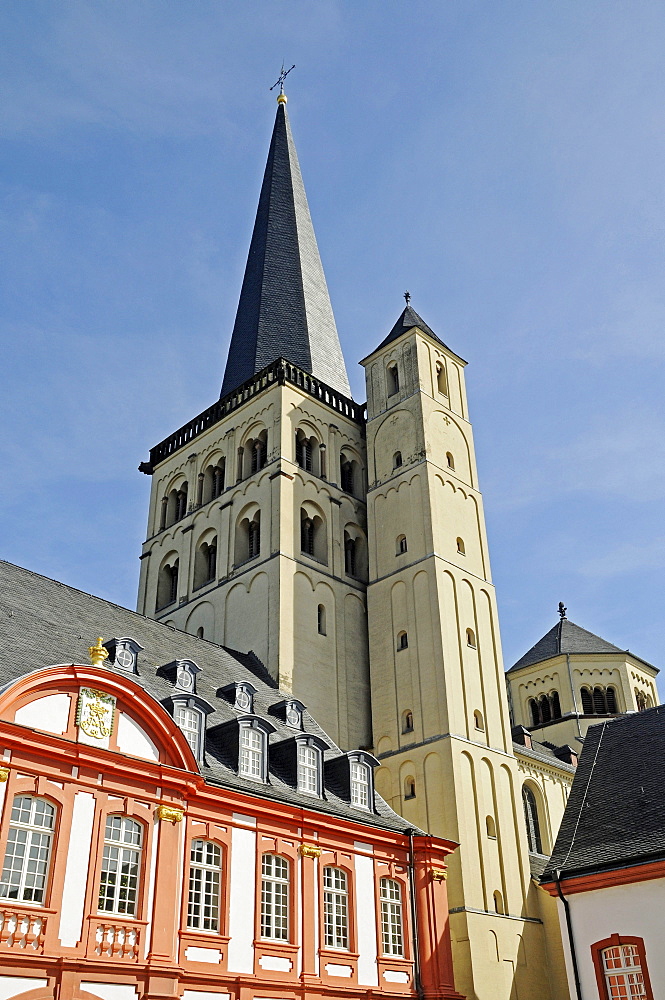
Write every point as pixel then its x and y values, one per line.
pixel 205 869
pixel 360 784
pixel 392 934
pixel 121 866
pixel 190 721
pixel 28 852
pixel 309 769
pixel 274 897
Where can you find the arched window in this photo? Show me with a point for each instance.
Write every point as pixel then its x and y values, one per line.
pixel 471 638
pixel 531 820
pixel 599 706
pixel 28 852
pixel 490 826
pixel 176 506
pixel 190 721
pixel 460 546
pixel 450 460
pixel 498 902
pixel 555 705
pixel 402 640
pixel 392 375
pixel 587 701
pixel 321 619
pixel 252 762
pixel 205 861
pixel 401 545
pixel 309 769
pixel 121 866
pixel 258 449
pixel 360 784
pixel 478 721
pixel 200 632
pixel 621 968
pixel 611 700
pixel 390 897
pixel 248 537
pixel 304 451
pixel 181 502
pixel 407 722
pixel 205 563
pixel 335 908
pixel 349 555
pixel 409 788
pixel 167 585
pixel 274 898
pixel 640 700
pixel 313 535
pixel 397 460
pixel 254 536
pixel 535 712
pixel 441 380
pixel 348 474
pixel 213 481
pixel 545 712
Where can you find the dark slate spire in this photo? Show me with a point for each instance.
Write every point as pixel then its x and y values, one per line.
pixel 409 319
pixel 284 309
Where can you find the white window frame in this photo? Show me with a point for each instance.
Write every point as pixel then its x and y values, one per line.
pixel 360 788
pixel 193 734
pixel 392 920
pixel 27 836
pixel 627 975
pixel 308 771
pixel 252 762
pixel 275 901
pixel 335 908
pixel 205 886
pixel 121 851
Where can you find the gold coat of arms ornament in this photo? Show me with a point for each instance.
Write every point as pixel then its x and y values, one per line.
pixel 94 713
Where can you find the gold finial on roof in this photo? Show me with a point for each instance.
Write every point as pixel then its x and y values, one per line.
pixel 98 653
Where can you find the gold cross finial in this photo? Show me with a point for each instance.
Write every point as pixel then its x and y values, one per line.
pixel 98 653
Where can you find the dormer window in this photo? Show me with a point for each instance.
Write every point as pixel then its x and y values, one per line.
pixel 124 653
pixel 293 715
pixel 252 758
pixel 308 769
pixel 240 694
pixel 190 721
pixel 182 674
pixel 360 784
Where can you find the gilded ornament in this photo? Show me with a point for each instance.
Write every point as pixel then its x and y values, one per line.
pixel 170 813
pixel 4 773
pixel 98 653
pixel 94 713
pixel 439 874
pixel 309 851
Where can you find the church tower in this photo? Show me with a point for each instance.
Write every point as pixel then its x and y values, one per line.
pixel 441 724
pixel 257 526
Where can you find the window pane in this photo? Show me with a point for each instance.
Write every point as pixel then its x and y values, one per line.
pixel 26 863
pixel 359 785
pixel 623 973
pixel 251 753
pixel 121 865
pixel 275 898
pixel 189 720
pixel 308 770
pixel 204 886
pixel 335 908
pixel 391 917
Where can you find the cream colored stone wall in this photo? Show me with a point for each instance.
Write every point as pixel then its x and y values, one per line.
pixel 270 604
pixel 458 758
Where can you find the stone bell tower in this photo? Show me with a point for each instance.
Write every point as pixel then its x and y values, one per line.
pixel 257 527
pixel 440 715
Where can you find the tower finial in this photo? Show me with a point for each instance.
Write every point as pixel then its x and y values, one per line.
pixel 562 610
pixel 407 297
pixel 281 97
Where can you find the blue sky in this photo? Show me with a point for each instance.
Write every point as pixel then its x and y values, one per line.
pixel 502 160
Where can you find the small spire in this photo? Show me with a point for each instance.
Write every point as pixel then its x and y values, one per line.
pixel 281 97
pixel 407 297
pixel 562 610
pixel 98 653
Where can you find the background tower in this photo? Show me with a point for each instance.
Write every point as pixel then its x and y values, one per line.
pixel 439 707
pixel 256 532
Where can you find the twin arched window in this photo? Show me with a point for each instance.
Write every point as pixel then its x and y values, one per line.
pixel 313 535
pixel 310 454
pixel 212 482
pixel 599 701
pixel 545 708
pixel 348 474
pixel 643 700
pixel 167 585
pixel 174 506
pixel 248 537
pixel 205 562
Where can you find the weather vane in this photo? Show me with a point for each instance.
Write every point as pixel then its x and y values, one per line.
pixel 407 297
pixel 562 610
pixel 282 77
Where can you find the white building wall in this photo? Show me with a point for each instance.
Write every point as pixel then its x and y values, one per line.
pixel 636 910
pixel 242 897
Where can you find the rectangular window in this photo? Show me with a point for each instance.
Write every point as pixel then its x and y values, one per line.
pixel 359 785
pixel 308 770
pixel 25 868
pixel 189 720
pixel 275 898
pixel 390 895
pixel 204 886
pixel 335 908
pixel 251 753
pixel 624 977
pixel 121 866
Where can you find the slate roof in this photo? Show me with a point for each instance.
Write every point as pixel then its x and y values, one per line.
pixel 615 815
pixel 566 637
pixel 284 309
pixel 43 622
pixel 543 754
pixel 408 319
